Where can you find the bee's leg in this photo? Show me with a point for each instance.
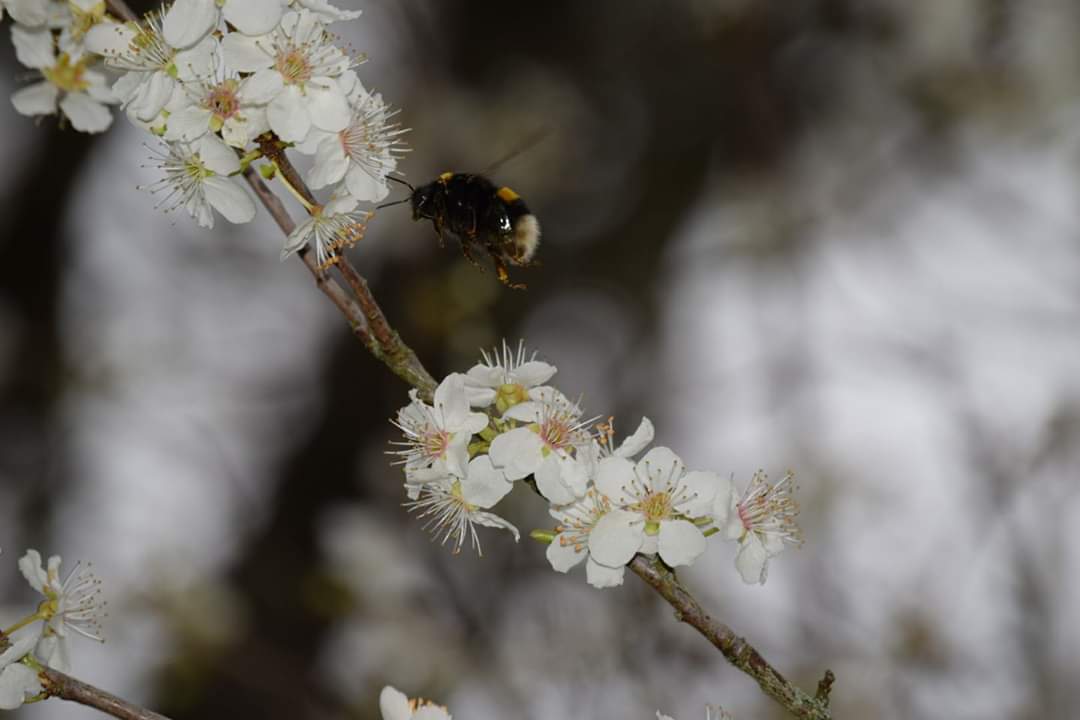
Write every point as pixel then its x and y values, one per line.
pixel 504 275
pixel 466 250
pixel 440 231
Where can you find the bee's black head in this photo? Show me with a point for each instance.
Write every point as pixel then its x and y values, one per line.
pixel 423 201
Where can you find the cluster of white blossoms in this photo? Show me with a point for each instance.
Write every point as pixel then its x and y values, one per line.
pixel 41 639
pixel 221 84
pixel 500 423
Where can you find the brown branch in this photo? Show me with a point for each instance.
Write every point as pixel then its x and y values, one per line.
pixel 120 9
pixel 736 649
pixel 65 687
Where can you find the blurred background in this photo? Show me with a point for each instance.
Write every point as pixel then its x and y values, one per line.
pixel 839 237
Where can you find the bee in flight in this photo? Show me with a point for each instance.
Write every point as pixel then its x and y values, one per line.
pixel 482 215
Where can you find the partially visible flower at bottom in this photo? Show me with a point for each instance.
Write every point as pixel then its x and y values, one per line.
pixel 17 681
pixel 454 506
pixel 712 712
pixel 394 705
pixel 332 227
pixel 763 522
pixel 196 179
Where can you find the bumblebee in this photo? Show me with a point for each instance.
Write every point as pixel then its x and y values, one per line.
pixel 483 216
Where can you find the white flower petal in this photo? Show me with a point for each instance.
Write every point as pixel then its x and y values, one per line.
pixel 752 560
pixel 394 705
pixel 261 88
pixel 519 452
pixel 17 683
pixel 188 21
pixel 288 114
pixel 31 13
pixel 533 373
pixel 188 124
pixel 613 476
pixel 550 483
pixel 722 501
pixel 152 94
pixel 36 99
pixel 637 442
pixel 328 106
pixel 328 12
pixel 330 163
pixel 494 521
pixel 699 491
pixel 564 556
pixel 602 576
pixel 616 537
pixel 33 48
pixel 361 185
pixel 198 62
pixel 31 569
pixel 253 17
pixel 86 114
pixel 484 485
pixel 680 542
pixel 109 39
pixel 247 54
pixel 659 468
pixel 216 155
pixel 230 199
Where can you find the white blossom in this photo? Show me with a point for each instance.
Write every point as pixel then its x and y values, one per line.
pixel 295 71
pixel 571 543
pixel 438 433
pixel 80 93
pixel 360 156
pixel 74 604
pixel 153 66
pixel 657 503
pixel 505 377
pixel 552 432
pixel 196 179
pixel 763 522
pixel 78 17
pixel 214 101
pixel 394 705
pixel 454 505
pixel 331 228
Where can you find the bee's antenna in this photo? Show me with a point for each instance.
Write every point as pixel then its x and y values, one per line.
pixel 391 204
pixel 399 180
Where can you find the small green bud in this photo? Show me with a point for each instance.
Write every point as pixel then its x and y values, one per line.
pixel 268 171
pixel 544 536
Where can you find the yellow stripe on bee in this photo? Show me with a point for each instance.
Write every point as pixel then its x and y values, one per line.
pixel 445 177
pixel 507 195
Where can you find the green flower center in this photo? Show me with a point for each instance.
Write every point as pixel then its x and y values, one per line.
pixel 65 75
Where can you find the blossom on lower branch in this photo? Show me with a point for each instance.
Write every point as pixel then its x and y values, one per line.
pixel 459 463
pixel 394 705
pixel 18 682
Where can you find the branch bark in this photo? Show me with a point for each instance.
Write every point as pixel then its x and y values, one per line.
pixel 65 687
pixel 737 650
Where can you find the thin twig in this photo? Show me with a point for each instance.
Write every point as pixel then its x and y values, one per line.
pixel 736 649
pixel 120 9
pixel 65 687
